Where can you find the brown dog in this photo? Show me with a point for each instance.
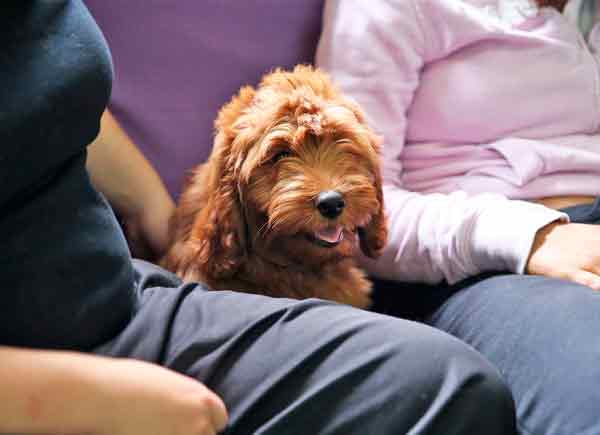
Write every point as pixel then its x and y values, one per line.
pixel 293 181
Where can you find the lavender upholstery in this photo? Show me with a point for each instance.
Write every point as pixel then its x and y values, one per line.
pixel 176 63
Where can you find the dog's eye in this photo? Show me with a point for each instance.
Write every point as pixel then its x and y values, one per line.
pixel 280 155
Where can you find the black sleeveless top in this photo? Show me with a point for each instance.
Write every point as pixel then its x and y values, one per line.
pixel 66 279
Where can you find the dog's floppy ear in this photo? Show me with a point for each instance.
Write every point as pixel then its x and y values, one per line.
pixel 209 227
pixel 373 236
pixel 219 229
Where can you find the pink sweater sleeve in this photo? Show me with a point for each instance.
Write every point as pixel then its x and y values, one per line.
pixel 375 51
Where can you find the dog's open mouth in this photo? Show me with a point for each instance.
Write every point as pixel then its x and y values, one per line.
pixel 328 237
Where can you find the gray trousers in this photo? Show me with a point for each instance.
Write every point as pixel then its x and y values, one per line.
pixel 313 367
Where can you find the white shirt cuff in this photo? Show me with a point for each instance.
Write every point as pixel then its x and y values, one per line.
pixel 503 236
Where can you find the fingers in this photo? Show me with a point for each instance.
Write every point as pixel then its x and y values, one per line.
pixel 218 414
pixel 138 246
pixel 586 278
pixel 594 268
pixel 203 429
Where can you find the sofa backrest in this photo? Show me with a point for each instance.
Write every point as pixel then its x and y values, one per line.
pixel 177 62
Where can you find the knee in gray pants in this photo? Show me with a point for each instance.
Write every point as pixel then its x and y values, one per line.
pixel 442 386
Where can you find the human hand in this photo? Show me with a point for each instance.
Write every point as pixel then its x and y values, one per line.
pixel 146 399
pixel 567 251
pixel 147 226
pixel 132 187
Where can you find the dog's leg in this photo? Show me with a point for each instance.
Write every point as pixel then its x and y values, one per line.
pixel 345 283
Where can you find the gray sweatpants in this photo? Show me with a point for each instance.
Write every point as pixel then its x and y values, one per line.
pixel 313 367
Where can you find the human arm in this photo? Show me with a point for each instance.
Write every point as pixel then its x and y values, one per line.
pixel 71 393
pixel 376 52
pixel 132 186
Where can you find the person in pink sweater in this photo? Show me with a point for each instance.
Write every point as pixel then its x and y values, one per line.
pixel 490 116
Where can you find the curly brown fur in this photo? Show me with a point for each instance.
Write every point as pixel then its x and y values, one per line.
pixel 247 219
pixel 558 4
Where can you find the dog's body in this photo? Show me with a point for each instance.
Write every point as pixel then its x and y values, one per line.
pixel 291 185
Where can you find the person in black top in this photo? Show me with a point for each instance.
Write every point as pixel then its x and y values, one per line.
pixel 84 329
pixel 57 232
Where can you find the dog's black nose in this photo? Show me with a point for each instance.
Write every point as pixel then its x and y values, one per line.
pixel 330 203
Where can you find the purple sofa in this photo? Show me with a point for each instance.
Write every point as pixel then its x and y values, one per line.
pixel 177 63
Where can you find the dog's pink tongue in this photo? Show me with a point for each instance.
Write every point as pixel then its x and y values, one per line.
pixel 330 234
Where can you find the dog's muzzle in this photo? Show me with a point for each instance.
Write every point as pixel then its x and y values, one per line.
pixel 330 204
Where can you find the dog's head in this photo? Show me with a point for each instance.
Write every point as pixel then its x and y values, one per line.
pixel 294 177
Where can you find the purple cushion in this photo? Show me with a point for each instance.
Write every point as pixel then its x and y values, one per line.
pixel 177 63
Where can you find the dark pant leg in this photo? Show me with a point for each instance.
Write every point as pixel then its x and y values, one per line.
pixel 542 334
pixel 312 367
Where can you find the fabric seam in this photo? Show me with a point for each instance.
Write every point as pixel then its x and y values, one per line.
pixel 421 23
